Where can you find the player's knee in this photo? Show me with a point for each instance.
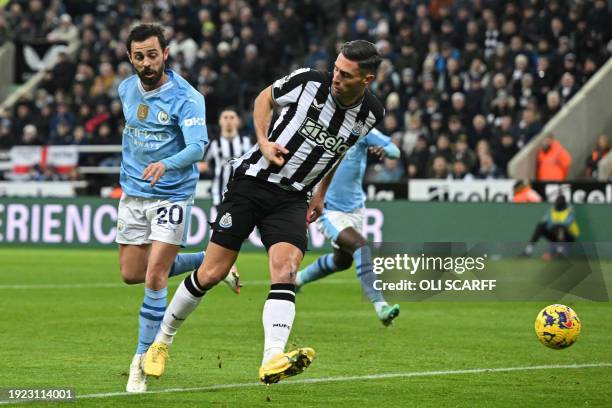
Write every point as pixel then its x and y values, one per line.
pixel 209 277
pixel 157 269
pixel 359 244
pixel 130 276
pixel 283 270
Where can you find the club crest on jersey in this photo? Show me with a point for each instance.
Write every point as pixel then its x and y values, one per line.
pixel 143 111
pixel 358 128
pixel 162 117
pixel 226 220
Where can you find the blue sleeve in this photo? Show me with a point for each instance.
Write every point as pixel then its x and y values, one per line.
pixel 186 157
pixel 192 121
pixel 377 138
pixel 392 151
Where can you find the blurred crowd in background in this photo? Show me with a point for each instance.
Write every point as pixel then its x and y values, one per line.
pixel 465 84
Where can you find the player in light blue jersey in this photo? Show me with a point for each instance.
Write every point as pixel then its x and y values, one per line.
pixel 163 139
pixel 342 222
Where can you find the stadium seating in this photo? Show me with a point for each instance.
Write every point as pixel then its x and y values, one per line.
pixel 445 64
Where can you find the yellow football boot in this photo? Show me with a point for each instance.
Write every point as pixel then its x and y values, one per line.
pixel 285 365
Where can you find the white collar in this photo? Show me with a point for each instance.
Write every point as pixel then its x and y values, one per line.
pixel 147 94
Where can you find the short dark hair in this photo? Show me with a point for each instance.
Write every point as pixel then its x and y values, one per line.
pixel 230 108
pixel 143 31
pixel 364 53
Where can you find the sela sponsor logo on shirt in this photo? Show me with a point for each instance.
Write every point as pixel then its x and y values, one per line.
pixel 315 132
pixel 194 122
pixel 226 220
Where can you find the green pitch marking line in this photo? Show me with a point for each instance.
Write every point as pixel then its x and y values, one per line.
pixel 353 378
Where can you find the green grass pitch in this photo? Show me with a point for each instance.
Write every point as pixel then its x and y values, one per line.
pixel 68 321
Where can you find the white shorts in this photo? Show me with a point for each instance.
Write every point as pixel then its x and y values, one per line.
pixel 331 223
pixel 142 220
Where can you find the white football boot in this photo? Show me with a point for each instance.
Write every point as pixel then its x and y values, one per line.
pixel 137 381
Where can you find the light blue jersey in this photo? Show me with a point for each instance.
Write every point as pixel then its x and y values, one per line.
pixel 346 192
pixel 166 124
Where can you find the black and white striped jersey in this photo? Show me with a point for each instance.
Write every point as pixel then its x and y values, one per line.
pixel 220 152
pixel 315 129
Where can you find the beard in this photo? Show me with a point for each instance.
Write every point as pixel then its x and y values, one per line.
pixel 153 79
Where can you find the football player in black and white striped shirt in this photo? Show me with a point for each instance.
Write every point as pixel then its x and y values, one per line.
pixel 322 116
pixel 229 145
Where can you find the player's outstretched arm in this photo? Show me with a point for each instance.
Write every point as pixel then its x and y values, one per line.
pixel 262 116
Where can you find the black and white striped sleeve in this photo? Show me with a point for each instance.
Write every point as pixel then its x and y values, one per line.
pixel 287 90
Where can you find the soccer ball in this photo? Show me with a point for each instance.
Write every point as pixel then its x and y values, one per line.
pixel 557 326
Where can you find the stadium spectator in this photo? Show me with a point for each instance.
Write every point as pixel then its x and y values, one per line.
pixel 460 171
pixel 62 114
pixel 552 106
pixel 443 148
pixel 439 168
pixel 504 150
pixel 487 168
pixel 417 161
pixel 455 128
pixel 528 127
pixel 104 81
pixel 436 126
pixel 65 32
pixel 503 60
pixel 22 117
pixel 62 135
pixel 599 152
pixel 409 138
pixel 567 89
pixel 390 171
pixel 463 152
pixel 316 55
pixel 523 193
pixel 62 74
pixel 479 131
pixel 553 160
pixel 6 134
pixel 29 136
